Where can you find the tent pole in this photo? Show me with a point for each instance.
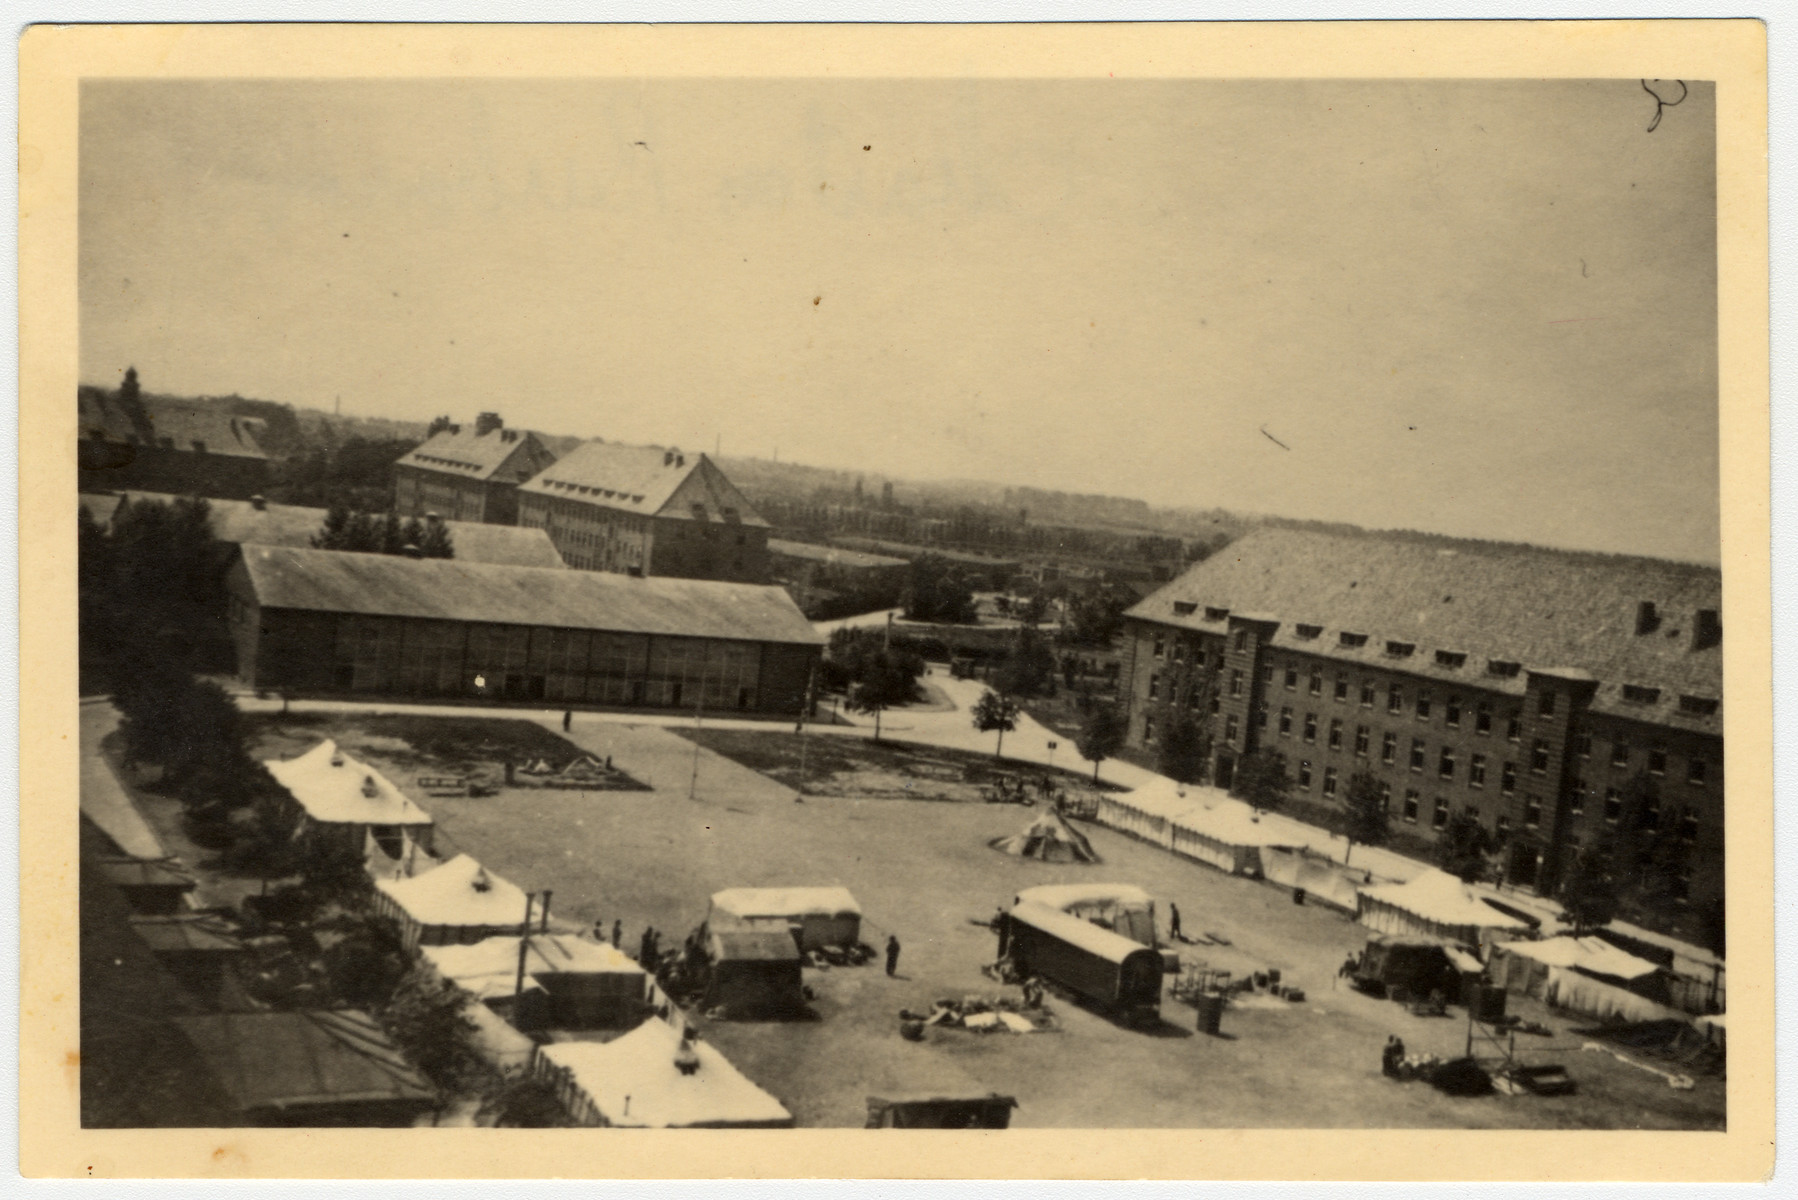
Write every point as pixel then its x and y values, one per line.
pixel 524 942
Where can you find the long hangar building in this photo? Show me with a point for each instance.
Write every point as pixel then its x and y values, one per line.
pixel 313 621
pixel 1530 689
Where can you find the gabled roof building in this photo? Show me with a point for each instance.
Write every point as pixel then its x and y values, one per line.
pixel 638 510
pixel 469 474
pixel 1561 699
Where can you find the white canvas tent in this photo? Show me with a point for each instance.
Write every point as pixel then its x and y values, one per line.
pixel 1123 908
pixel 1048 838
pixel 349 801
pixel 823 916
pixel 576 983
pixel 648 1079
pixel 1202 824
pixel 460 901
pixel 1435 904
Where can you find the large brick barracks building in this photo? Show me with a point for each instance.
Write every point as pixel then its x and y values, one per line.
pixel 1527 688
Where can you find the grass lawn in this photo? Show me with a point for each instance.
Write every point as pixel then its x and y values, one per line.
pixel 415 743
pixel 862 769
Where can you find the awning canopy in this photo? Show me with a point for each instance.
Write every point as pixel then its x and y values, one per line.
pixel 633 1081
pixel 333 787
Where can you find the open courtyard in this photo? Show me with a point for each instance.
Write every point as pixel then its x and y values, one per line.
pixel 924 873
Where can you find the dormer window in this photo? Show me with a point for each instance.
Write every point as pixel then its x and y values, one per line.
pixel 1216 614
pixel 1636 694
pixel 1308 632
pixel 1400 649
pixel 1185 608
pixel 1454 660
pixel 1698 706
pixel 1352 641
pixel 1500 667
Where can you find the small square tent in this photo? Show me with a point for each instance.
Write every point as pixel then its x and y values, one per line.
pixel 1586 975
pixel 652 1078
pixel 1048 838
pixel 819 916
pixel 349 802
pixel 458 902
pixel 574 983
pixel 1413 965
pixel 1434 904
pixel 1123 908
pixel 753 973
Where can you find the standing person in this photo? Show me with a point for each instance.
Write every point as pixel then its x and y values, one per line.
pixel 892 954
pixel 643 945
pixel 1173 921
pixel 567 720
pixel 617 934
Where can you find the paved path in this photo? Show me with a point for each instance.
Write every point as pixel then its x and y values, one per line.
pixel 103 800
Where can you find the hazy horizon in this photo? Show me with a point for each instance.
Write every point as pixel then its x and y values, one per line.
pixel 1484 309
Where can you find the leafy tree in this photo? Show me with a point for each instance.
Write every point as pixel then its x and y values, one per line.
pixel 426 1017
pixel 996 711
pixel 434 541
pixel 1100 736
pixel 524 1102
pixel 438 425
pixel 867 698
pixel 1589 890
pixel 334 873
pixel 937 592
pixel 1030 668
pixel 1463 848
pixel 1366 822
pixel 1094 616
pixel 1185 751
pixel 1261 779
pixel 367 961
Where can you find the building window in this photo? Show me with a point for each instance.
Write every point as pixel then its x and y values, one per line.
pixel 1385 797
pixel 1179 651
pixel 1329 781
pixel 1635 694
pixel 1292 678
pixel 1452 659
pixel 1576 798
pixel 1267 672
pixel 1695 770
pixel 1154 686
pixel 1472 810
pixel 1160 645
pixel 1242 637
pixel 1395 698
pixel 1423 705
pixel 1366 694
pixel 1336 733
pixel 1236 683
pixel 1546 706
pixel 1476 771
pixel 1514 728
pixel 1439 818
pixel 1504 823
pixel 1412 801
pixel 1613 805
pixel 1286 721
pixel 1351 641
pixel 1445 764
pixel 1341 689
pixel 1148 729
pixel 1451 713
pixel 1400 649
pixel 1317 683
pixel 1582 743
pixel 1681 888
pixel 1657 759
pixel 1698 706
pixel 1539 757
pixel 1417 754
pixel 1532 812
pixel 1389 748
pixel 1218 614
pixel 1507 779
pixel 1260 717
pixel 1361 735
pixel 1620 753
pixel 1688 826
pixel 1308 632
pixel 1651 814
pixel 1305 773
pixel 1310 727
pixel 1500 667
pixel 1482 718
pixel 1230 728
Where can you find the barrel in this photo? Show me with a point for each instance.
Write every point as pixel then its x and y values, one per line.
pixel 1211 1012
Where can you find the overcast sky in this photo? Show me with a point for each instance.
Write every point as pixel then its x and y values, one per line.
pixel 1480 308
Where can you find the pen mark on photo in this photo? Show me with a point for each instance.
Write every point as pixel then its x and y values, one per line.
pixel 1661 103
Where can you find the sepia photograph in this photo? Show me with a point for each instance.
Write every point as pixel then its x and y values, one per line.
pixel 979 601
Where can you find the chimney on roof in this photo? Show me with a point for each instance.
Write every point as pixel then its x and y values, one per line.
pixel 1647 619
pixel 486 423
pixel 667 458
pixel 1707 629
pixel 258 503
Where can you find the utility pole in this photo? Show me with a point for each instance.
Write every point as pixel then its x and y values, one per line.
pixel 524 945
pixel 693 783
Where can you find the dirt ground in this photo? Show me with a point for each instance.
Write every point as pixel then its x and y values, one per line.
pixel 924 873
